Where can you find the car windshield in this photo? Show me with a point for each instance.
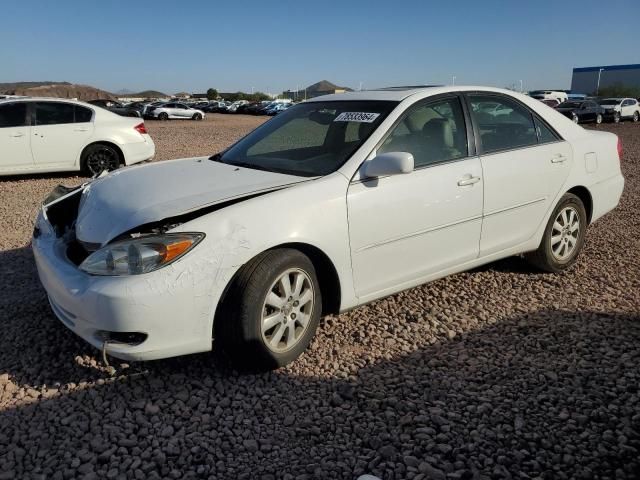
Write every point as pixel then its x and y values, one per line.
pixel 610 101
pixel 570 105
pixel 311 139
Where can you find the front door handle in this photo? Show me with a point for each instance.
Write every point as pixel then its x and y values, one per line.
pixel 17 135
pixel 468 180
pixel 81 129
pixel 559 158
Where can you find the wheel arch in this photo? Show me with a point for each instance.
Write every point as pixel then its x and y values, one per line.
pixel 325 269
pixel 585 196
pixel 108 143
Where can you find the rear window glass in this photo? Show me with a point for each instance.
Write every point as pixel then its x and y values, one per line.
pixel 54 113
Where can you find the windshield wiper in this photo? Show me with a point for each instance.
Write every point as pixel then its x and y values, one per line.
pixel 250 165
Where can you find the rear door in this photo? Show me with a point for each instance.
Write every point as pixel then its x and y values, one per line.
pixel 524 164
pixel 15 151
pixel 59 133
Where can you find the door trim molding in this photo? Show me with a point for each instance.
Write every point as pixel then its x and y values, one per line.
pixel 513 207
pixel 417 233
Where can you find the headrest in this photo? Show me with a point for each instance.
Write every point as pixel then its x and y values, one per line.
pixel 439 130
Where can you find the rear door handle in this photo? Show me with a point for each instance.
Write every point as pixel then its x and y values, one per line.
pixel 558 159
pixel 17 135
pixel 81 129
pixel 468 180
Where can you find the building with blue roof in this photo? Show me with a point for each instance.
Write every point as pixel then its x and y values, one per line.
pixel 590 79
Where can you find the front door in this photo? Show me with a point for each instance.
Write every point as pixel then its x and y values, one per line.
pixel 406 227
pixel 15 151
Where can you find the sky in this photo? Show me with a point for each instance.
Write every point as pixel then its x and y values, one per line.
pixel 273 46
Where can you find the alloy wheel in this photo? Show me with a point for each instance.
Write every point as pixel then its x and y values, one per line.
pixel 287 310
pixel 565 233
pixel 102 159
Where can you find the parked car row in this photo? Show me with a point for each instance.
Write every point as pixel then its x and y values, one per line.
pixel 597 110
pixel 53 134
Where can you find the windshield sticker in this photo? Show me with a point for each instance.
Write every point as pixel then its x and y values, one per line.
pixel 360 117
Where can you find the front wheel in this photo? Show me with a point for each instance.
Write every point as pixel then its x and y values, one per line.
pixel 576 119
pixel 599 119
pixel 564 236
pixel 271 312
pixel 197 116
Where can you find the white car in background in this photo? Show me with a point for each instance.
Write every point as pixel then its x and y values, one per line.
pixel 51 134
pixel 617 109
pixel 173 111
pixel 336 202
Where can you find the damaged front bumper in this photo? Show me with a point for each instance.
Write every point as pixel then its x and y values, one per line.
pixel 161 314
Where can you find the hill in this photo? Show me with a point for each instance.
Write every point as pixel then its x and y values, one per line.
pixel 323 87
pixel 54 89
pixel 146 94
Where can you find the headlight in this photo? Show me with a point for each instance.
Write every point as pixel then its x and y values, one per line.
pixel 140 255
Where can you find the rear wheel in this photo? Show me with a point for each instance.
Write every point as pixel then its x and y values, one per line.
pixel 163 116
pixel 271 312
pixel 636 116
pixel 98 158
pixel 616 117
pixel 564 236
pixel 197 116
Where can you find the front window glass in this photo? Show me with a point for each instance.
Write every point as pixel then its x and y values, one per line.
pixel 503 126
pixel 13 115
pixel 432 133
pixel 310 139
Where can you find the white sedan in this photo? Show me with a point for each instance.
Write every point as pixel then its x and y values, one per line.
pixel 51 134
pixel 338 201
pixel 174 111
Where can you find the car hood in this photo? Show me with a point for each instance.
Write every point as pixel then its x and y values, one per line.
pixel 138 195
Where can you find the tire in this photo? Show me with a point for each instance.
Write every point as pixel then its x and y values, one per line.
pixel 616 117
pixel 598 119
pixel 636 116
pixel 164 116
pixel 99 157
pixel 197 116
pixel 256 317
pixel 576 119
pixel 567 223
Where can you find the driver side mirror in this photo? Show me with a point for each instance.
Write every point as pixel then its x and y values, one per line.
pixel 390 163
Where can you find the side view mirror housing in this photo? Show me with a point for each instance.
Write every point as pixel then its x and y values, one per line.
pixel 390 163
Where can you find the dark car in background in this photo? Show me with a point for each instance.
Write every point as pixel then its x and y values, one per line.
pixel 116 107
pixel 582 111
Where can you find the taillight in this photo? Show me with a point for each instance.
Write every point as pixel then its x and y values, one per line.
pixel 140 128
pixel 620 150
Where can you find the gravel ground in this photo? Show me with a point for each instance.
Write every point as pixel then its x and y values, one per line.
pixel 501 372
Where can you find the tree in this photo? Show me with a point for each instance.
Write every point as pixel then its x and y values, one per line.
pixel 212 94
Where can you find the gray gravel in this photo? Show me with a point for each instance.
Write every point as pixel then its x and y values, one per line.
pixel 497 373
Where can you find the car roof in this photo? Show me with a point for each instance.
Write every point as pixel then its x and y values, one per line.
pixel 400 93
pixel 45 99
